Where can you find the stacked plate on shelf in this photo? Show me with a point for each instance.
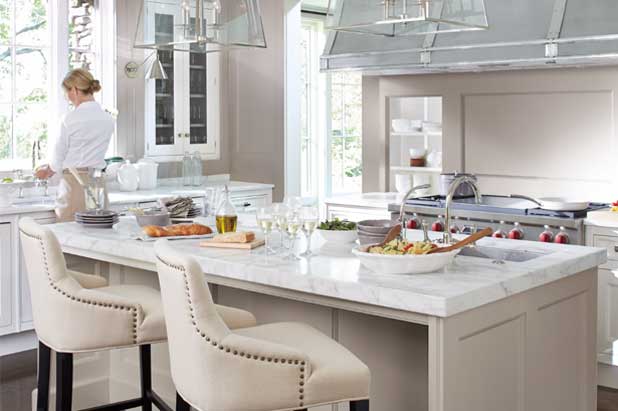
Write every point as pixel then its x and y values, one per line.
pixel 97 219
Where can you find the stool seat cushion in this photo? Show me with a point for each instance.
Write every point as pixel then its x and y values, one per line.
pixel 333 373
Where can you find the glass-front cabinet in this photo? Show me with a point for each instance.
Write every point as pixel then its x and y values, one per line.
pixel 182 112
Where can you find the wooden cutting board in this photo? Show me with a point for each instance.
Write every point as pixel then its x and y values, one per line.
pixel 239 246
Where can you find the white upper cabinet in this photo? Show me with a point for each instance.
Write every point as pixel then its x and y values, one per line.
pixel 182 112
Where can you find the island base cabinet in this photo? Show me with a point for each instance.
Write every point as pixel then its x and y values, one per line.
pixel 529 351
pixel 533 351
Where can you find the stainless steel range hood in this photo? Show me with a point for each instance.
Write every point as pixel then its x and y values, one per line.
pixel 521 34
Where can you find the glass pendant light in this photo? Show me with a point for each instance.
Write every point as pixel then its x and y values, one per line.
pixel 406 17
pixel 199 25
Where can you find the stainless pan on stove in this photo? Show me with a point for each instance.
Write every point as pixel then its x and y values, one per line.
pixel 556 203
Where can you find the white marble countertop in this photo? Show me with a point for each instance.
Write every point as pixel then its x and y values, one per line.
pixel 602 218
pixel 366 200
pixel 167 187
pixel 336 273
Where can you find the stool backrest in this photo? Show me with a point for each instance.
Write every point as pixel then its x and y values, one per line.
pixel 48 280
pixel 191 319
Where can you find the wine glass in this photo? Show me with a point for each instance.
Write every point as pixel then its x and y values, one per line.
pixel 293 225
pixel 309 216
pixel 265 221
pixel 279 211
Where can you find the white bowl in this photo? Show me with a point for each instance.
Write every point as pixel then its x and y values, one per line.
pixel 401 125
pixel 405 264
pixel 417 152
pixel 432 127
pixel 338 236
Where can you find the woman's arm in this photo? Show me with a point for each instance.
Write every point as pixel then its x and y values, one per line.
pixel 61 149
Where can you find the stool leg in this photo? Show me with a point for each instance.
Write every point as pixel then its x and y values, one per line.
pixel 181 404
pixel 42 383
pixel 360 405
pixel 146 376
pixel 64 381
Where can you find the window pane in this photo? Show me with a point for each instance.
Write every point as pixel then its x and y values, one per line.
pixel 31 72
pixel 31 22
pixel 5 21
pixel 5 74
pixel 30 127
pixel 5 131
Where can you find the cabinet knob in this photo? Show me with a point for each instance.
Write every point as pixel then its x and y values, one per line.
pixel 616 248
pixel 187 135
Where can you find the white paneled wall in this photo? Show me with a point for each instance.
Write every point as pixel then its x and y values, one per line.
pixel 535 132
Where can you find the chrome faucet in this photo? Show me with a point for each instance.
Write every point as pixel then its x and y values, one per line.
pixel 403 203
pixel 448 236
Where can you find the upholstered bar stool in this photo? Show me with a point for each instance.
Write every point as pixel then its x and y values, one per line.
pixel 72 316
pixel 280 366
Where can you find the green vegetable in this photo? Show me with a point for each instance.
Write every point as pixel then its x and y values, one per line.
pixel 337 225
pixel 7 180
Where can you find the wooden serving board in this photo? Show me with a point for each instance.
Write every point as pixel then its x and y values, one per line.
pixel 240 246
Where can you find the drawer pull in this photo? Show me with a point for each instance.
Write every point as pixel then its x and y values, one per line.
pixel 616 248
pixel 246 204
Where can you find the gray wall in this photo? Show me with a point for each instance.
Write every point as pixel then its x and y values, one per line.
pixel 252 103
pixel 535 132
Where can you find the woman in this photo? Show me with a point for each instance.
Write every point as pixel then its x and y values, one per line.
pixel 82 142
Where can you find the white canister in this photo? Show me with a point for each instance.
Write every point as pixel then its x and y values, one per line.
pixel 128 177
pixel 148 172
pixel 403 182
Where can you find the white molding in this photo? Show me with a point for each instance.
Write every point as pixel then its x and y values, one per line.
pixel 15 343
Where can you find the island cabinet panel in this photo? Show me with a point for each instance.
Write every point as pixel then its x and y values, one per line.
pixel 6 279
pixel 533 351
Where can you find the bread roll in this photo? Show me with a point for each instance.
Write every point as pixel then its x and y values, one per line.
pixel 238 237
pixel 176 230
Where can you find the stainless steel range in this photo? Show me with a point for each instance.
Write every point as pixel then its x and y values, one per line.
pixel 518 219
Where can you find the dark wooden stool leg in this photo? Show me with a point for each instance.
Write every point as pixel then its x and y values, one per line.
pixel 181 404
pixel 42 383
pixel 146 376
pixel 64 381
pixel 360 405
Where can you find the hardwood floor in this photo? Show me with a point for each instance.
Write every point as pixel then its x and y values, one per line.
pixel 18 379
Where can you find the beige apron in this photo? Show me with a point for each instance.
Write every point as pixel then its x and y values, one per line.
pixel 71 196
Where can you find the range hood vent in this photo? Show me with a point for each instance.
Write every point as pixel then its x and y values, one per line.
pixel 406 17
pixel 521 34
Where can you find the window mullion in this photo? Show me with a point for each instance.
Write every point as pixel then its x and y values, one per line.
pixel 13 79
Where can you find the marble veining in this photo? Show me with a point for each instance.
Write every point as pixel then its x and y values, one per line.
pixel 335 272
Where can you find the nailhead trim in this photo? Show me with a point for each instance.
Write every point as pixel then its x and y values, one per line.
pixel 81 300
pixel 249 356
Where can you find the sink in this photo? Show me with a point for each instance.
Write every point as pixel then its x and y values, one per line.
pixel 501 254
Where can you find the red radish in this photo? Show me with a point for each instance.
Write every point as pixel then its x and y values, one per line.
pixel 561 238
pixel 498 234
pixel 412 224
pixel 545 237
pixel 516 234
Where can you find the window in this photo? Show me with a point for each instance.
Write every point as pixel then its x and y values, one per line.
pixel 40 40
pixel 24 80
pixel 331 121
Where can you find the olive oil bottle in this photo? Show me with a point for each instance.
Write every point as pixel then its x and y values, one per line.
pixel 226 216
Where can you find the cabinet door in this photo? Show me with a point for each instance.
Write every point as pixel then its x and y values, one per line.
pixel 164 98
pixel 6 279
pixel 202 114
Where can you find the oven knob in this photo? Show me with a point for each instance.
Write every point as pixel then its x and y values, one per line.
pixel 516 233
pixel 546 236
pixel 413 223
pixel 499 233
pixel 562 237
pixel 438 225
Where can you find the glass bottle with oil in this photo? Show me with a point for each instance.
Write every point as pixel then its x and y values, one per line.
pixel 226 216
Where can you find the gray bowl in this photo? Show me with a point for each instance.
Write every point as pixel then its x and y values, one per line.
pixel 156 218
pixel 375 227
pixel 365 239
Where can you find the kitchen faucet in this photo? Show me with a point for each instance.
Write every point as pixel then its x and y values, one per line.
pixel 448 236
pixel 403 203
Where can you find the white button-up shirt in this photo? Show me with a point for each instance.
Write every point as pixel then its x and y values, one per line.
pixel 84 137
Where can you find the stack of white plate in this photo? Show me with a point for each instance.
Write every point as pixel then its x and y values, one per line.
pixel 97 219
pixel 189 216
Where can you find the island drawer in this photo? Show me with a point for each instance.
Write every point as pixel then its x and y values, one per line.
pixel 610 243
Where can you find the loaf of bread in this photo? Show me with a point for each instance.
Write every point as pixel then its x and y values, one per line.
pixel 176 230
pixel 238 237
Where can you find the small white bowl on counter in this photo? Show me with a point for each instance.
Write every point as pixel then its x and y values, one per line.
pixel 404 264
pixel 338 236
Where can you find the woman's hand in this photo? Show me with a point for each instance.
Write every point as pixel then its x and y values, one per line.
pixel 43 172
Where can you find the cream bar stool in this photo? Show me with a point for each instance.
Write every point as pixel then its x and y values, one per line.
pixel 280 366
pixel 72 316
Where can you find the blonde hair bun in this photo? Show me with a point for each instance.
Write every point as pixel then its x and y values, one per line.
pixel 82 80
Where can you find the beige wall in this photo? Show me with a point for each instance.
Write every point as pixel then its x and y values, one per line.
pixel 535 132
pixel 252 103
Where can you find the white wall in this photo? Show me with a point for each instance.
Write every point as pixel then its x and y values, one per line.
pixel 535 132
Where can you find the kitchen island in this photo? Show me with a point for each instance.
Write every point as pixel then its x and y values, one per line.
pixel 483 334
